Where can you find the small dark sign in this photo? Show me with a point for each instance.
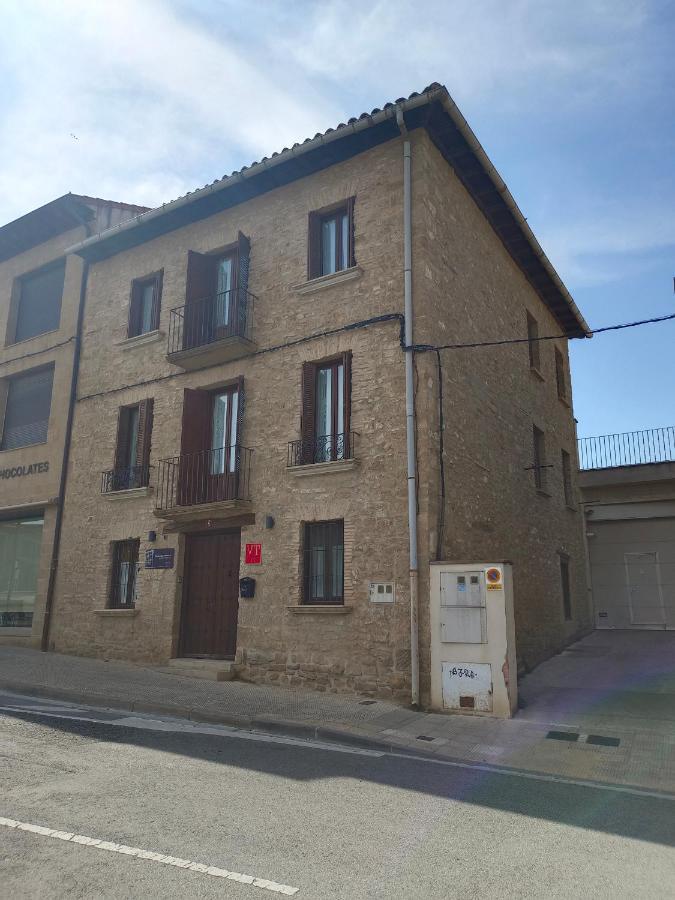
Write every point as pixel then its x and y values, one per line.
pixel 159 558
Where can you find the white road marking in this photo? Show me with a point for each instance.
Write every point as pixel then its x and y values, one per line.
pixel 136 852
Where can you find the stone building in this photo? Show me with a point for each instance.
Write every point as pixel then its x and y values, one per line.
pixel 40 291
pixel 242 389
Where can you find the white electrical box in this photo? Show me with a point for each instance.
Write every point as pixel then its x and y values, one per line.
pixel 473 641
pixel 381 592
pixel 463 615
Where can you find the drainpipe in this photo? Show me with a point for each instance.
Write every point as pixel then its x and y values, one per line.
pixel 410 415
pixel 54 564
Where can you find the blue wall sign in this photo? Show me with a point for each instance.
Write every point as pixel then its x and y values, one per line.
pixel 159 558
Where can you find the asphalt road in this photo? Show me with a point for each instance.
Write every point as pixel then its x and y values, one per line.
pixel 331 822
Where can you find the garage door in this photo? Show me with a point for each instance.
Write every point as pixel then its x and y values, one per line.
pixel 633 573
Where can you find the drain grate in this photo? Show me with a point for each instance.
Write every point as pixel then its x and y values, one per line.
pixel 367 702
pixel 602 740
pixel 424 737
pixel 570 736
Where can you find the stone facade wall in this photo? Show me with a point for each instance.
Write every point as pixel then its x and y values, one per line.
pixel 365 649
pixel 467 288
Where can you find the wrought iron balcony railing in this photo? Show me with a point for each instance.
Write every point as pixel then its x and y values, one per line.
pixel 324 448
pixel 207 476
pixel 630 448
pixel 125 479
pixel 202 322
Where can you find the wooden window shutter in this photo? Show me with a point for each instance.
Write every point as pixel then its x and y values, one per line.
pixel 241 403
pixel 196 424
pixel 351 256
pixel 145 413
pixel 200 277
pixel 243 261
pixel 314 246
pixel 157 299
pixel 308 411
pixel 347 369
pixel 122 438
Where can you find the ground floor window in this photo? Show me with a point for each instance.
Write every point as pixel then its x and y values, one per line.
pixel 123 574
pixel 324 562
pixel 20 543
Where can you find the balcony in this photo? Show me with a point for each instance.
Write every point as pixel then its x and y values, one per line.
pixel 117 480
pixel 323 453
pixel 203 484
pixel 212 330
pixel 630 448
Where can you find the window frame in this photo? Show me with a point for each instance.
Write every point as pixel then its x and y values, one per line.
pixel 135 300
pixel 317 218
pixel 121 477
pixel 533 348
pixel 561 376
pixel 5 400
pixel 117 549
pixel 539 458
pixel 565 587
pixel 306 598
pixel 12 336
pixel 568 488
pixel 339 449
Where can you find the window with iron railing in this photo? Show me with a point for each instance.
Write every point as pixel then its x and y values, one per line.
pixel 323 563
pixel 123 576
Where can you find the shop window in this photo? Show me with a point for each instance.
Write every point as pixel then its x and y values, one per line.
pixel 20 543
pixel 123 574
pixel 324 563
pixel 27 409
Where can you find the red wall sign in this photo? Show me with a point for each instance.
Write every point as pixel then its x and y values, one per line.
pixel 253 554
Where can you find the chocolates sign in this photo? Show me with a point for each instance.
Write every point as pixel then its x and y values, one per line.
pixel 20 471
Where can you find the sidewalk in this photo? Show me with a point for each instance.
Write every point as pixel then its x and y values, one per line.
pixel 643 758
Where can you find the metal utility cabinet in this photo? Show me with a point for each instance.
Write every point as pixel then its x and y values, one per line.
pixel 473 640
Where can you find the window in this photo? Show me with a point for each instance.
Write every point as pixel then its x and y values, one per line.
pixel 132 450
pixel 146 295
pixel 123 574
pixel 539 461
pixel 324 563
pixel 331 240
pixel 39 302
pixel 560 378
pixel 218 304
pixel 326 389
pixel 533 342
pixel 565 586
pixel 224 431
pixel 567 478
pixel 20 542
pixel 27 409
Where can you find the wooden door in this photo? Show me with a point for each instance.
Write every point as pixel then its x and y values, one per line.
pixel 210 595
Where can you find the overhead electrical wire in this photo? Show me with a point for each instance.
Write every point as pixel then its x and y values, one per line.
pixel 427 348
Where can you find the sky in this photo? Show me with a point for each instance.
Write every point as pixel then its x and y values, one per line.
pixel 573 100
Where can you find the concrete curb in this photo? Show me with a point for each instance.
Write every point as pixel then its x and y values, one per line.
pixel 287 727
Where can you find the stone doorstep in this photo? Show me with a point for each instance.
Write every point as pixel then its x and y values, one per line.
pixel 209 669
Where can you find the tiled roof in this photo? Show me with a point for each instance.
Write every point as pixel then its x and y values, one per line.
pixel 432 109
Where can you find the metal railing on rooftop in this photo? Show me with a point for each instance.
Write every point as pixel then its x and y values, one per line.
pixel 629 448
